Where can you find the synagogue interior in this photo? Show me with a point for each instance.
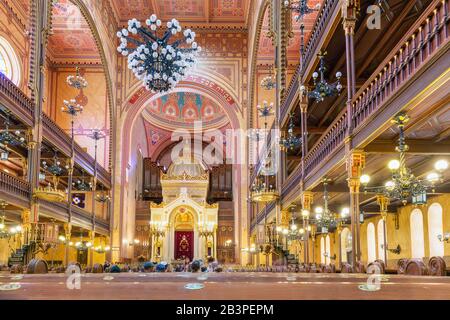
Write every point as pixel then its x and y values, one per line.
pixel 245 141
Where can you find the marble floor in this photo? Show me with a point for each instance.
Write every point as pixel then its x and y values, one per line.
pixel 220 286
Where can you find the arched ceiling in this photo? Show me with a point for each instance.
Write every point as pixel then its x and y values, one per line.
pixel 180 111
pixel 228 13
pixel 72 40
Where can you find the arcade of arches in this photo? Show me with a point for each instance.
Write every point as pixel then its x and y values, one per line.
pixel 311 145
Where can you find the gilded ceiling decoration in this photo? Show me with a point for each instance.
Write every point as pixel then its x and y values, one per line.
pixel 181 110
pixel 215 13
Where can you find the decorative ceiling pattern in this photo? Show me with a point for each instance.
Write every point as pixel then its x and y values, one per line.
pixel 222 13
pixel 266 50
pixel 181 110
pixel 71 40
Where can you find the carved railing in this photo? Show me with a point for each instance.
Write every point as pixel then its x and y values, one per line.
pixel 56 135
pixel 318 29
pixel 16 186
pixel 261 214
pixel 23 107
pixel 292 181
pixel 12 94
pixel 327 143
pixel 429 34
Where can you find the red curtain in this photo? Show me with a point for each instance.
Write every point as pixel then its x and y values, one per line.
pixel 184 245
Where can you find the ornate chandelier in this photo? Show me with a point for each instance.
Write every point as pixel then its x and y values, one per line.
pixel 291 142
pixel 11 137
pixel 322 89
pixel 268 82
pixel 325 219
pixel 404 185
pixel 77 81
pixel 159 63
pixel 55 168
pixel 300 7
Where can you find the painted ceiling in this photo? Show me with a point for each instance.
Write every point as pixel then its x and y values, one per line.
pixel 266 50
pixel 180 111
pixel 193 12
pixel 72 39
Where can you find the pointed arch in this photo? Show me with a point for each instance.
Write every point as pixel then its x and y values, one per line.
pixel 380 238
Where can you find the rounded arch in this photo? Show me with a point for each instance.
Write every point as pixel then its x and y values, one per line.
pixel 322 250
pixel 380 238
pixel 346 244
pixel 435 229
pixel 259 24
pixel 327 249
pixel 417 237
pixel 9 62
pixel 371 244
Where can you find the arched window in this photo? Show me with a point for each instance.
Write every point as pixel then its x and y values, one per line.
pixel 346 245
pixel 435 228
pixel 417 240
pixel 322 250
pixel 371 245
pixel 9 64
pixel 327 249
pixel 380 233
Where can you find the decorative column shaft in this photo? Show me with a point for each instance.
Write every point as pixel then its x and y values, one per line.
pixel 68 235
pixel 350 9
pixel 40 22
pixel 355 163
pixel 307 199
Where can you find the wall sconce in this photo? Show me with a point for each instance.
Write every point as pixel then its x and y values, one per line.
pixel 444 238
pixel 396 250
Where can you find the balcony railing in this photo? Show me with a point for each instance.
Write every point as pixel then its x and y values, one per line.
pixel 327 143
pixel 56 135
pixel 14 98
pixel 21 105
pixel 429 34
pixel 317 33
pixel 13 185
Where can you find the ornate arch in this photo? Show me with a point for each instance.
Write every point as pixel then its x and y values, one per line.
pixel 109 85
pixel 259 24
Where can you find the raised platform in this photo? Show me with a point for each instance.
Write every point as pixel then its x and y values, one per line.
pixel 224 286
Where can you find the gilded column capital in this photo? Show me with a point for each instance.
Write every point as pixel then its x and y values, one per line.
pixel 383 202
pixel 307 199
pixel 356 161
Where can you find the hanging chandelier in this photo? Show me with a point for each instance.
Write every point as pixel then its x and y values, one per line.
pixel 72 107
pixel 153 58
pixel 291 142
pixel 322 89
pixel 55 168
pixel 10 137
pixel 404 185
pixel 269 82
pixel 300 7
pixel 77 81
pixel 325 219
pixel 81 185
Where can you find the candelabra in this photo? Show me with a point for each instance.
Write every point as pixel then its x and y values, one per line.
pixel 404 185
pixel 157 229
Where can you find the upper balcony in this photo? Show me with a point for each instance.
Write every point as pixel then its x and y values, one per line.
pixel 23 108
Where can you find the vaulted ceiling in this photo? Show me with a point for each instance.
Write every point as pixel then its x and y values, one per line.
pixel 199 13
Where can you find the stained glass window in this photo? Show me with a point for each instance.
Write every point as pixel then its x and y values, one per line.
pixel 9 64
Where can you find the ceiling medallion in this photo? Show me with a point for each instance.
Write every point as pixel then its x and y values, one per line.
pixel 156 60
